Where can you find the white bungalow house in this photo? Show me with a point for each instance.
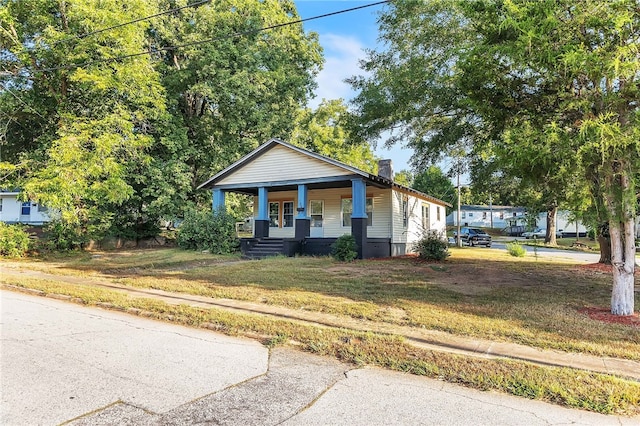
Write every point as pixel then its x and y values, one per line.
pixel 304 201
pixel 13 210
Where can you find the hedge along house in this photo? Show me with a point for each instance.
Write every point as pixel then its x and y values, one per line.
pixel 304 201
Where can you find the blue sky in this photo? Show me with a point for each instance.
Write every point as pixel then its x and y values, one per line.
pixel 344 38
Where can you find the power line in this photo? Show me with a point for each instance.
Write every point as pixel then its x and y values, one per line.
pixel 199 42
pixel 177 9
pixel 4 87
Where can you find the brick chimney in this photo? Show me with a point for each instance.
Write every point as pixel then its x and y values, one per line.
pixel 385 169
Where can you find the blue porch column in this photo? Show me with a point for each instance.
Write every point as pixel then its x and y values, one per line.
pixel 218 199
pixel 303 221
pixel 261 223
pixel 359 215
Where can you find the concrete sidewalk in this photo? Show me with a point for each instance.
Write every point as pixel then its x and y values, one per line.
pixel 429 339
pixel 63 363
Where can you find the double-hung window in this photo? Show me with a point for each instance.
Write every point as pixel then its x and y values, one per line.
pixel 425 217
pixel 274 214
pixel 287 214
pixel 405 211
pixel 26 209
pixel 316 211
pixel 347 210
pixel 281 214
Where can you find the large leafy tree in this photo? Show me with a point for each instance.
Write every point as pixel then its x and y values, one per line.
pixel 114 139
pixel 323 130
pixel 434 182
pixel 235 91
pixel 481 71
pixel 82 118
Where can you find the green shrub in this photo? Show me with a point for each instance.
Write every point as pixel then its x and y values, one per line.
pixel 203 230
pixel 14 240
pixel 516 249
pixel 345 248
pixel 432 246
pixel 62 236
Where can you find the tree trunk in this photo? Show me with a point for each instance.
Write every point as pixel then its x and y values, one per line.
pixel 623 260
pixel 550 238
pixel 605 249
pixel 621 209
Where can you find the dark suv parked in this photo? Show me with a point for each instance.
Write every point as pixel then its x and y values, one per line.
pixel 475 237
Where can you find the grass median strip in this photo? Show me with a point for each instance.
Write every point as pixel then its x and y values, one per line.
pixel 573 388
pixel 476 293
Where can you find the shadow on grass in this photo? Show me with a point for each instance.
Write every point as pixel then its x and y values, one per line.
pixel 475 292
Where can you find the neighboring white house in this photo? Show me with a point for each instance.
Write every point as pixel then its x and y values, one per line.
pixel 13 210
pixel 304 201
pixel 563 223
pixel 501 217
pixel 498 217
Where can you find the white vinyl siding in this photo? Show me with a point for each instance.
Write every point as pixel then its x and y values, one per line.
pixel 384 202
pixel 12 210
pixel 380 227
pixel 415 227
pixel 281 164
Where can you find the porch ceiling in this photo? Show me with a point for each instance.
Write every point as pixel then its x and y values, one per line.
pixel 342 182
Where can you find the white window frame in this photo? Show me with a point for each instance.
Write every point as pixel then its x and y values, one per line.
pixel 274 223
pixel 425 217
pixel 314 215
pixel 405 211
pixel 286 224
pixel 368 208
pixel 23 206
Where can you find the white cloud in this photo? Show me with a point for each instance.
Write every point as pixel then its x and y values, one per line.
pixel 342 54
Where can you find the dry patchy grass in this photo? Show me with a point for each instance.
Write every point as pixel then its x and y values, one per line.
pixel 578 389
pixel 476 292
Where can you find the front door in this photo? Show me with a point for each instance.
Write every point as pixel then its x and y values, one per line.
pixel 316 211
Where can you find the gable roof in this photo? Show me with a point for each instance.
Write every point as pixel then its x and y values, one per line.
pixel 339 167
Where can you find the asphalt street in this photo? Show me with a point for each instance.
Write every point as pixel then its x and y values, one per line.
pixel 66 363
pixel 541 251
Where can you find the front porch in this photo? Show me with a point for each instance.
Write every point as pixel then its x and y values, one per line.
pixel 289 222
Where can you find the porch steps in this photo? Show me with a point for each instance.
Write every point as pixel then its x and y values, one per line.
pixel 265 247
